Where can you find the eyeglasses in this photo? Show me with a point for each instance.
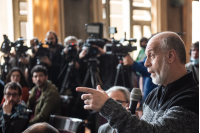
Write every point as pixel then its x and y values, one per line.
pixel 120 102
pixel 14 94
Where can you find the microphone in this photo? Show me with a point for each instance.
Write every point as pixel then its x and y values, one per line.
pixel 134 98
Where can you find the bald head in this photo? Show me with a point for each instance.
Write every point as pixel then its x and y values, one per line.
pixel 170 40
pixel 41 128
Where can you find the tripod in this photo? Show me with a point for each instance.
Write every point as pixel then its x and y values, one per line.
pixel 95 79
pixel 66 81
pixel 120 69
pixel 92 71
pixel 5 68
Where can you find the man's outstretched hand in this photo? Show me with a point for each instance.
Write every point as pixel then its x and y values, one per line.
pixel 94 99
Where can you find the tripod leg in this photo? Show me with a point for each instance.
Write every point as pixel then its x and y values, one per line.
pixel 117 75
pixel 86 77
pixel 92 77
pixel 65 80
pixel 123 79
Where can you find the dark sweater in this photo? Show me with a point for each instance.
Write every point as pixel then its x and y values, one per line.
pixel 174 110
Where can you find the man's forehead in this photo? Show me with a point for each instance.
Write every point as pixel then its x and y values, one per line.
pixel 152 46
pixel 38 73
pixel 11 90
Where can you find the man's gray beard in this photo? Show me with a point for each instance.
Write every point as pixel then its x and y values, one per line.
pixel 159 79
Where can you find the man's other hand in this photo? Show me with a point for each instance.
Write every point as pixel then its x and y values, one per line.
pixel 7 107
pixel 95 99
pixel 128 61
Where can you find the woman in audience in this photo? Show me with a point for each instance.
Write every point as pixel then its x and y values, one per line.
pixel 16 75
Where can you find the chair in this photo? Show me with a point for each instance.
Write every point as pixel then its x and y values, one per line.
pixel 67 103
pixel 67 124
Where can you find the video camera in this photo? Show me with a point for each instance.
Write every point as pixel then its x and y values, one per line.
pixel 42 50
pixel 6 45
pixel 93 51
pixel 19 47
pixel 116 47
pixel 71 51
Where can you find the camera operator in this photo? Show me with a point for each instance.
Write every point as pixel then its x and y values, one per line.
pixel 69 67
pixel 92 51
pixel 53 59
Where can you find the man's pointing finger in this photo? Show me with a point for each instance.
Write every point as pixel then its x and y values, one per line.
pixel 85 90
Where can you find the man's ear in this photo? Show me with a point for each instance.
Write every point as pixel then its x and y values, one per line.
pixel 171 56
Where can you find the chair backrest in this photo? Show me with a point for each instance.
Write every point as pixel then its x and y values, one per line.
pixel 67 124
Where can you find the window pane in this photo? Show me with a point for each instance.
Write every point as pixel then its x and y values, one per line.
pixel 23 29
pixel 137 33
pixel 142 3
pixel 115 8
pixel 117 22
pixel 195 21
pixel 103 1
pixel 104 13
pixel 141 15
pixel 22 8
pixel 147 31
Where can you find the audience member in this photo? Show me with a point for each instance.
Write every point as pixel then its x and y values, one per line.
pixel 171 107
pixel 41 128
pixel 122 96
pixel 16 75
pixel 194 64
pixel 13 114
pixel 44 99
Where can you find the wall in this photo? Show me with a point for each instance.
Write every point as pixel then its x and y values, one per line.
pixel 76 15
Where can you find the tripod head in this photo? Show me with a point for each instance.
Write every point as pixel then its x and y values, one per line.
pixel 93 62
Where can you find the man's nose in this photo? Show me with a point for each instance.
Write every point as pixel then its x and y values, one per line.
pixel 147 63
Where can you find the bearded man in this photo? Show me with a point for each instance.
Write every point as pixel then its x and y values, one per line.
pixel 44 99
pixel 172 107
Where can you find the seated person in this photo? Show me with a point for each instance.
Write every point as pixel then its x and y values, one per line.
pixel 122 96
pixel 44 99
pixel 41 128
pixel 13 114
pixel 16 75
pixel 194 64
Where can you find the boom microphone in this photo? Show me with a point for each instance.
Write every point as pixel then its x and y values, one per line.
pixel 134 98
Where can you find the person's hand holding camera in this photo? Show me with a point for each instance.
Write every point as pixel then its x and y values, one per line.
pixel 101 51
pixel 128 61
pixel 46 60
pixel 83 52
pixel 23 60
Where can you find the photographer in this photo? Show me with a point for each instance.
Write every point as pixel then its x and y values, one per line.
pixel 53 59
